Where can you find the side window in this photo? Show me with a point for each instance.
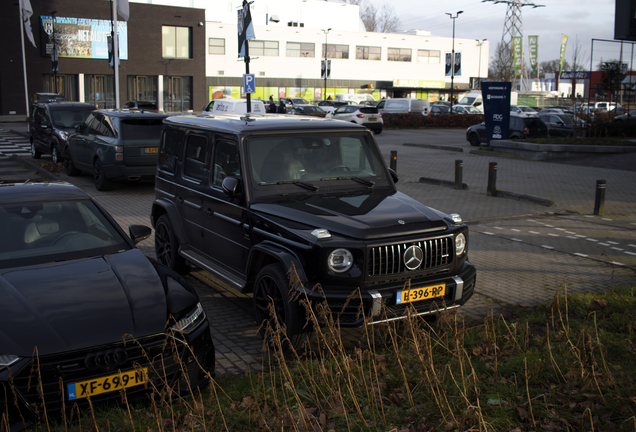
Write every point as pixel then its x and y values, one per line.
pixel 87 123
pixel 170 149
pixel 102 126
pixel 195 151
pixel 226 162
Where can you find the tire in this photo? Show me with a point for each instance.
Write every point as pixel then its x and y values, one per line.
pixel 167 247
pixel 35 153
pixel 69 166
pixel 101 182
pixel 378 131
pixel 56 156
pixel 473 139
pixel 272 285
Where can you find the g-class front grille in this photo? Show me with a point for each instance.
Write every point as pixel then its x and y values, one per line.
pixel 389 259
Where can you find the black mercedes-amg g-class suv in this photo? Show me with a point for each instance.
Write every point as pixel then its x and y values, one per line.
pixel 247 198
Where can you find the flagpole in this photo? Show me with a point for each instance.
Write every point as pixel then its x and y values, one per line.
pixel 26 89
pixel 116 54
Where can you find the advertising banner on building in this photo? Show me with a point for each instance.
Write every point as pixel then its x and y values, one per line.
pixel 449 64
pixel 81 37
pixel 533 49
pixel 517 55
pixel 458 64
pixel 496 97
pixel 564 42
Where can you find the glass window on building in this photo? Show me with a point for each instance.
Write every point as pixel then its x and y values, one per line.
pixel 335 51
pixel 299 49
pixel 176 42
pixel 216 46
pixel 177 91
pixel 67 85
pixel 428 56
pixel 99 90
pixel 368 53
pixel 399 54
pixel 142 88
pixel 263 48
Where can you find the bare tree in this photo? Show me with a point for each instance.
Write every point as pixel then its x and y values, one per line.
pixel 500 68
pixel 379 20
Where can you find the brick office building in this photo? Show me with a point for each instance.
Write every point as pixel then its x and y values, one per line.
pixel 163 55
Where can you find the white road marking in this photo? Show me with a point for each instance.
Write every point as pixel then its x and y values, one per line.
pixel 611 242
pixel 487 233
pixel 618 249
pixel 517 240
pixel 580 254
pixel 580 236
pixel 591 239
pixel 549 226
pixel 630 253
pixel 531 220
pixel 560 229
pixel 516 230
pixel 617 263
pixel 604 244
pixel 497 228
pixel 553 235
pixel 569 232
pixel 547 247
pixel 533 232
pixel 572 237
pixel 606 219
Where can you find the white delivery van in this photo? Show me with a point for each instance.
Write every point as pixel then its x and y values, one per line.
pixel 404 105
pixel 474 98
pixel 234 106
pixel 342 97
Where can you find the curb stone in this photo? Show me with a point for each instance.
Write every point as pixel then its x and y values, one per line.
pixel 437 147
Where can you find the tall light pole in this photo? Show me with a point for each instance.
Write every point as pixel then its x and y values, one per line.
pixel 479 44
pixel 453 58
pixel 324 95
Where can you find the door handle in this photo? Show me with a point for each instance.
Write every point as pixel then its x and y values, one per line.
pixel 179 200
pixel 208 212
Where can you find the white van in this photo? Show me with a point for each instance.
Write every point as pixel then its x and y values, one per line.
pixel 404 105
pixel 342 97
pixel 234 106
pixel 472 98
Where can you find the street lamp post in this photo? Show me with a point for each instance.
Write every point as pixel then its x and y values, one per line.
pixel 453 58
pixel 324 96
pixel 479 44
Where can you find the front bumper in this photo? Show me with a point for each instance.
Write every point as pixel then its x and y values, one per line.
pixel 380 305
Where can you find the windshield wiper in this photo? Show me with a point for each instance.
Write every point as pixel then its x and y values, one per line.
pixel 368 183
pixel 297 183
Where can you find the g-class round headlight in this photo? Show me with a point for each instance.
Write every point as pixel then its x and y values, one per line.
pixel 340 260
pixel 460 244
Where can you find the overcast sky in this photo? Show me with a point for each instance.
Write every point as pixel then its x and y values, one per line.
pixel 585 19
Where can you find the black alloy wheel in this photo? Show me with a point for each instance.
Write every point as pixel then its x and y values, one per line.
pixel 473 139
pixel 69 166
pixel 55 154
pixel 275 309
pixel 35 153
pixel 101 182
pixel 167 247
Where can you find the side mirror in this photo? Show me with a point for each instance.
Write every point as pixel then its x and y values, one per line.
pixel 230 186
pixel 78 128
pixel 394 175
pixel 139 233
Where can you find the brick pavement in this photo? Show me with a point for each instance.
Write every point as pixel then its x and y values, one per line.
pixel 514 265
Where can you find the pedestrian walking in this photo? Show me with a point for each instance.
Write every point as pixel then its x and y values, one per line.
pixel 271 108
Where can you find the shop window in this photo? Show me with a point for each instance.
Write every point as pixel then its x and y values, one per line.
pixel 263 48
pixel 368 53
pixel 176 42
pixel 298 49
pixel 335 51
pixel 399 54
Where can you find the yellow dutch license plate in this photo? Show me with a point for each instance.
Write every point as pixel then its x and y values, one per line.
pixel 424 293
pixel 373 119
pixel 107 384
pixel 149 150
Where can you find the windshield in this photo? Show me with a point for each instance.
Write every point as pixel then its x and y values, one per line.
pixel 69 118
pixel 142 129
pixel 527 109
pixel 467 100
pixel 40 232
pixel 316 159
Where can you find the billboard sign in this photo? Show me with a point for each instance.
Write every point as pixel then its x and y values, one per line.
pixel 496 97
pixel 81 37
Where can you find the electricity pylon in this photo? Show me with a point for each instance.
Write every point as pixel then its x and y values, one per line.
pixel 513 26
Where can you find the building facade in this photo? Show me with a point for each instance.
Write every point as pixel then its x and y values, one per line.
pixel 162 55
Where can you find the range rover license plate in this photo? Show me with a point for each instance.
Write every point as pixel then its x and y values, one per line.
pixel 107 384
pixel 424 293
pixel 148 150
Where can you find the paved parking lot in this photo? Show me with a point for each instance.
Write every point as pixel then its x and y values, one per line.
pixel 523 251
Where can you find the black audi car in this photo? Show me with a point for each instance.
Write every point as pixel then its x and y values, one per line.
pixel 84 315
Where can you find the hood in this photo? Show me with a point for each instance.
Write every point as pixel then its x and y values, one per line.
pixel 78 304
pixel 375 214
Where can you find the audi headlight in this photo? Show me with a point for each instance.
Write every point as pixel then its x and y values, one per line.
pixel 340 260
pixel 190 321
pixel 460 244
pixel 64 135
pixel 7 360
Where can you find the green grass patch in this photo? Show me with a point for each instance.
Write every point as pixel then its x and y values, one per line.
pixel 567 365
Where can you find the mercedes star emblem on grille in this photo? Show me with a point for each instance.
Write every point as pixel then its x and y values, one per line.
pixel 400 221
pixel 413 257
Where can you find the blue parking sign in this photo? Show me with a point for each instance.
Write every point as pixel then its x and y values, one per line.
pixel 249 83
